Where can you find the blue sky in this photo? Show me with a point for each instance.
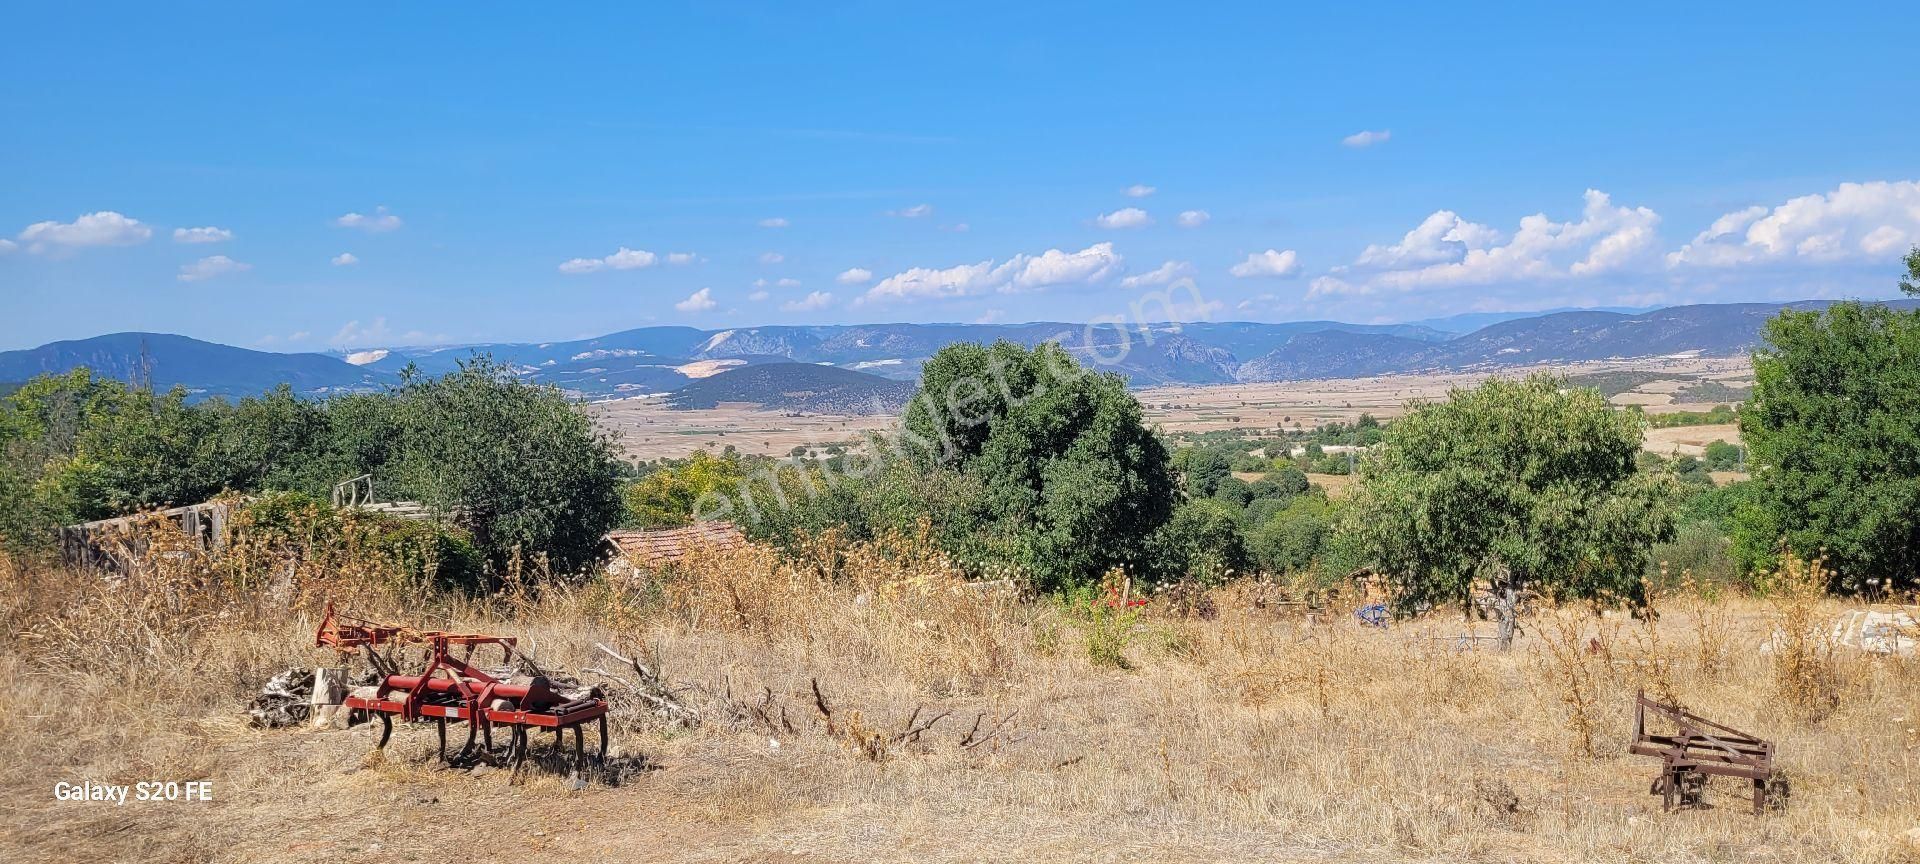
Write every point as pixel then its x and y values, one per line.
pixel 412 173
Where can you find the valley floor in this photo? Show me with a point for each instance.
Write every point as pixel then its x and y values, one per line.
pixel 649 429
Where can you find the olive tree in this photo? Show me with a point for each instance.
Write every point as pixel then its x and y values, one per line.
pixel 1526 485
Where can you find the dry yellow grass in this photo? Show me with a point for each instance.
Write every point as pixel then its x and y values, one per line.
pixel 1256 735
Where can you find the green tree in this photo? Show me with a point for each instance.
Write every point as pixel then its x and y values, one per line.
pixel 530 468
pixel 668 496
pixel 1722 456
pixel 1911 284
pixel 1833 431
pixel 1064 459
pixel 1524 484
pixel 1203 541
pixel 1291 539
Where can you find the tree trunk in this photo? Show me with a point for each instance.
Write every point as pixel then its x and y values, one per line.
pixel 1509 600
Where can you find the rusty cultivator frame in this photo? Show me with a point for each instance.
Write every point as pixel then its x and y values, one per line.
pixel 1700 748
pixel 451 688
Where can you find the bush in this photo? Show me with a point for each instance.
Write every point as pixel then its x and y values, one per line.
pixel 1203 542
pixel 1292 539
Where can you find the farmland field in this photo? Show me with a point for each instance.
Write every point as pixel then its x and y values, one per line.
pixel 649 429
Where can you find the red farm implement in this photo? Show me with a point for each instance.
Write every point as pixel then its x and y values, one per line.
pixel 1699 748
pixel 450 688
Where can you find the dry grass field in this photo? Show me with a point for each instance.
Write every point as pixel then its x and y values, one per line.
pixel 1250 732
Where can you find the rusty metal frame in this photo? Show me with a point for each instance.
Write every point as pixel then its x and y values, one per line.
pixel 1701 748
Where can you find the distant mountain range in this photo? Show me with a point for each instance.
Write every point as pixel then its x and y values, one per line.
pixel 797 387
pixel 843 367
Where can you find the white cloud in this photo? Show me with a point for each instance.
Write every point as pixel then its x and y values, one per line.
pixel 813 302
pixel 786 283
pixel 345 259
pixel 917 211
pixel 854 276
pixel 1443 236
pixel 1019 273
pixel 7 246
pixel 1165 274
pixel 1139 190
pixel 351 334
pixel 1268 263
pixel 698 301
pixel 622 259
pixel 1855 221
pixel 380 221
pixel 772 258
pixel 209 267
pixel 208 234
pixel 1054 267
pixel 104 228
pixel 958 228
pixel 1125 217
pixel 1193 218
pixel 991 316
pixel 1447 250
pixel 681 258
pixel 758 296
pixel 1367 138
pixel 775 222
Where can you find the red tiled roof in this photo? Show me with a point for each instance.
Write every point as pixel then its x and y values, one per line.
pixel 655 547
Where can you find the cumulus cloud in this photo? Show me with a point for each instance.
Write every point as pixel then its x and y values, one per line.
pixel 7 246
pixel 104 228
pixel 1367 138
pixel 352 334
pixel 917 211
pixel 854 276
pixel 380 221
pixel 786 283
pixel 208 234
pixel 1193 218
pixel 1856 221
pixel 211 266
pixel 1441 237
pixel 1268 263
pixel 1019 273
pixel 698 301
pixel 758 296
pixel 1446 250
pixel 775 222
pixel 345 259
pixel 1165 274
pixel 1125 217
pixel 772 258
pixel 813 302
pixel 1139 190
pixel 622 259
pixel 680 258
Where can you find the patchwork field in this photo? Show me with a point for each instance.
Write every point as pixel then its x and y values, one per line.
pixel 649 429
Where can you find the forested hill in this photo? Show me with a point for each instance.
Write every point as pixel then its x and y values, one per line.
pixel 654 360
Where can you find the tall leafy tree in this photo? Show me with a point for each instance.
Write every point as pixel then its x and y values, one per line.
pixel 529 466
pixel 1065 462
pixel 1523 484
pixel 1833 434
